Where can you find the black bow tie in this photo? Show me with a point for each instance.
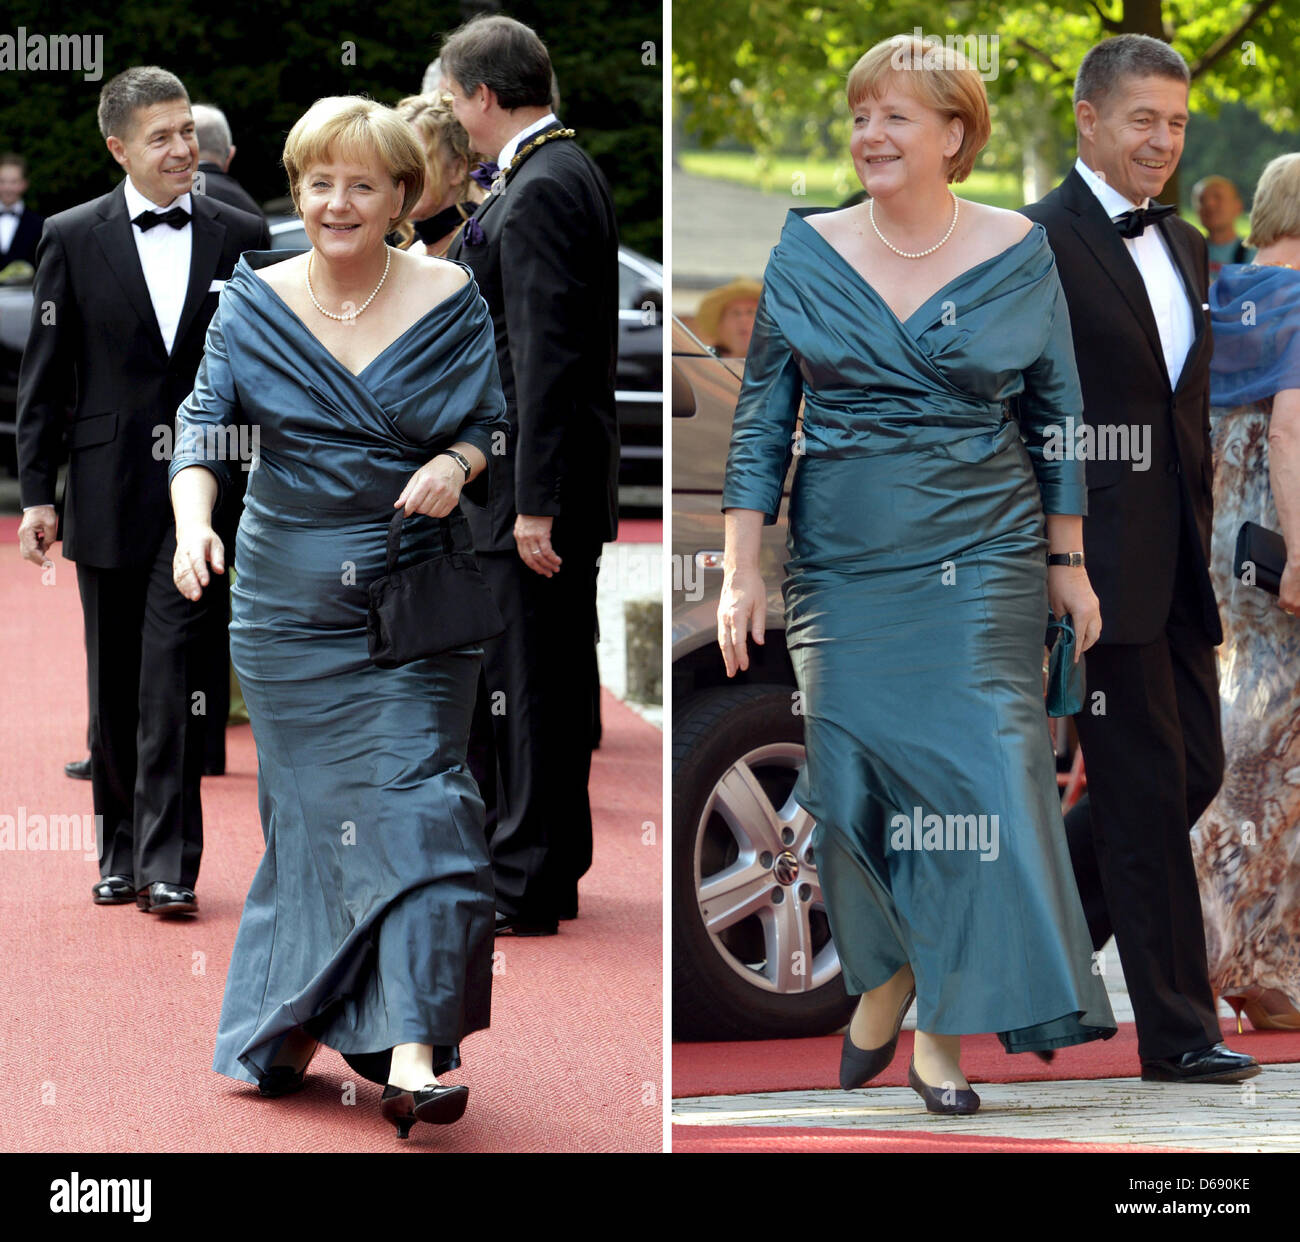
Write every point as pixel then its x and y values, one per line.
pixel 7 211
pixel 1132 223
pixel 177 217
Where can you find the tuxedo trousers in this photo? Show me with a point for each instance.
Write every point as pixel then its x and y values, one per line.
pixel 533 730
pixel 147 656
pixel 1153 753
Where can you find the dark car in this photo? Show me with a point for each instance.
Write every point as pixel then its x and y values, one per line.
pixel 752 951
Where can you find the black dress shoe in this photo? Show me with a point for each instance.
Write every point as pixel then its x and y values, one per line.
pixel 858 1066
pixel 1217 1063
pixel 78 769
pixel 437 1105
pixel 284 1079
pixel 516 925
pixel 950 1101
pixel 160 898
pixel 114 890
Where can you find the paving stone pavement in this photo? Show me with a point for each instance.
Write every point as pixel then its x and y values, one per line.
pixel 1258 1115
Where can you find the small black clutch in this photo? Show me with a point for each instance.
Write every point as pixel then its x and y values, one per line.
pixel 1261 556
pixel 1065 679
pixel 425 609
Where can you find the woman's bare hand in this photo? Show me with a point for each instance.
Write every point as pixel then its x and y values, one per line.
pixel 196 548
pixel 434 489
pixel 1069 590
pixel 742 611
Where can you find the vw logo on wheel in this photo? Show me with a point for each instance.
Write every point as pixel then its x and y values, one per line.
pixel 786 868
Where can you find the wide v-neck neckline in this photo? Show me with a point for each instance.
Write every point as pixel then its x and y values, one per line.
pixel 893 314
pixel 356 375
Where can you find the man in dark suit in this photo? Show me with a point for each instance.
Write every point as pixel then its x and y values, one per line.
pixel 125 287
pixel 1136 287
pixel 216 150
pixel 544 250
pixel 20 226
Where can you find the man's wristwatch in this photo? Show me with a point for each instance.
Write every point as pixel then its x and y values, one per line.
pixel 459 458
pixel 1073 559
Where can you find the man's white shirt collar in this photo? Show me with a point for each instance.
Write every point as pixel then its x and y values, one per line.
pixel 136 202
pixel 507 152
pixel 1114 203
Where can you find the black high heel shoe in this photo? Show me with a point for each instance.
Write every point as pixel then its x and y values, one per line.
pixel 859 1066
pixel 437 1105
pixel 284 1079
pixel 962 1103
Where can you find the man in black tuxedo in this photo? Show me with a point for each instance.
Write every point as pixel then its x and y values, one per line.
pixel 20 226
pixel 1136 286
pixel 544 250
pixel 125 287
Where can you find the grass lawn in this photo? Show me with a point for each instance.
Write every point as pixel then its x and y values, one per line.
pixel 827 182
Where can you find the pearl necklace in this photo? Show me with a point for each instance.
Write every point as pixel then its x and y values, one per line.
pixel 388 262
pixel 871 212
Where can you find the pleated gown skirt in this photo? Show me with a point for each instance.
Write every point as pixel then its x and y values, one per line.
pixel 916 605
pixel 369 921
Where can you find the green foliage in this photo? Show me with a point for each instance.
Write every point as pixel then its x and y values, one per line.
pixel 263 62
pixel 769 75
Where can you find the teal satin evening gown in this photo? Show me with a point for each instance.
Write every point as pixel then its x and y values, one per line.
pixel 370 919
pixel 916 604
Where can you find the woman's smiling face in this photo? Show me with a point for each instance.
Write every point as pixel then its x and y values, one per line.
pixel 897 139
pixel 348 205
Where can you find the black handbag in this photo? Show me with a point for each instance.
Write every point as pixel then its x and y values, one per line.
pixel 1265 551
pixel 425 609
pixel 1065 678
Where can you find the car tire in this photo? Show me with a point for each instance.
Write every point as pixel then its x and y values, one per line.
pixel 716 994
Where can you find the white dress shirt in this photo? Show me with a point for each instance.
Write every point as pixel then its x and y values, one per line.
pixel 1165 289
pixel 165 257
pixel 507 153
pixel 9 226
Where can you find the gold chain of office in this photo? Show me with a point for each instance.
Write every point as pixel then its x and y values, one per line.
pixel 541 140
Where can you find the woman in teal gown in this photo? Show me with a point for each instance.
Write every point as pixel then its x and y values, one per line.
pixel 368 926
pixel 916 603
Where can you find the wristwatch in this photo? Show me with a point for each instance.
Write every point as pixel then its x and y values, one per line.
pixel 1073 559
pixel 459 458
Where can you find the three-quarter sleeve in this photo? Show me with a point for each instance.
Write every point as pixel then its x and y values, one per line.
pixel 762 430
pixel 1052 395
pixel 205 420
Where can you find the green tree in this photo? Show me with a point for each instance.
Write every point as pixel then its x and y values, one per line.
pixel 263 62
pixel 761 71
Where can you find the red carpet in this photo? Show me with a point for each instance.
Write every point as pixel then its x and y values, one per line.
pixel 713 1139
pixel 640 530
pixel 108 1014
pixel 811 1064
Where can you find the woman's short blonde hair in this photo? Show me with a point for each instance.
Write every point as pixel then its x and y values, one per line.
pixel 349 127
pixel 940 77
pixel 1275 209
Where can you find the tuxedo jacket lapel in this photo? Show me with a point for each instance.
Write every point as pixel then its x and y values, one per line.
pixel 208 235
pixel 1096 230
pixel 113 234
pixel 1180 247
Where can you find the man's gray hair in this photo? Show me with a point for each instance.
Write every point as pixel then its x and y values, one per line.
pixel 141 86
pixel 212 131
pixel 1106 65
